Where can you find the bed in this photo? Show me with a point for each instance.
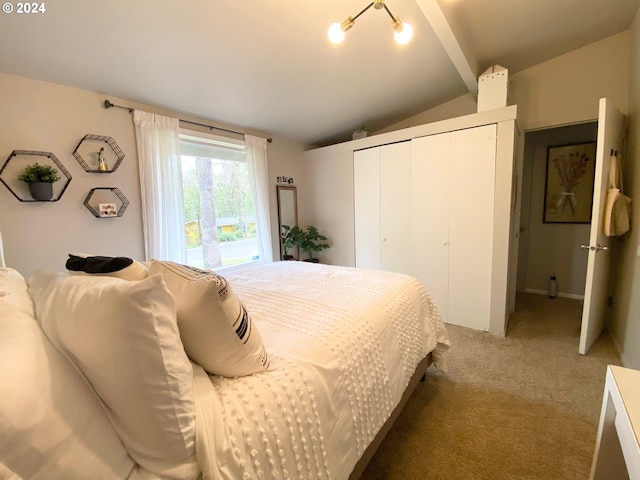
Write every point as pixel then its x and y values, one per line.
pixel 345 346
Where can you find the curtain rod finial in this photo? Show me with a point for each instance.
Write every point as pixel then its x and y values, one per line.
pixel 108 104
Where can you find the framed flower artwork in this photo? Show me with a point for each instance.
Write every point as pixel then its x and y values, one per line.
pixel 568 190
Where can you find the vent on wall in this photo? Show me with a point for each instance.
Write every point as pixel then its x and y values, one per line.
pixel 493 86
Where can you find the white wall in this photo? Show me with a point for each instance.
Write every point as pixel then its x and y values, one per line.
pixel 464 105
pixel 43 116
pixel 285 159
pixel 330 198
pixel 567 89
pixel 625 324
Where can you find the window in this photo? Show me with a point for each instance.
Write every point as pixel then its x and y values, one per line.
pixel 220 220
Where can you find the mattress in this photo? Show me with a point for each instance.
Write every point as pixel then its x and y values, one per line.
pixel 343 344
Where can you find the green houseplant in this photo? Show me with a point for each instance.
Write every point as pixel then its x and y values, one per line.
pixel 312 241
pixel 40 179
pixel 362 132
pixel 290 237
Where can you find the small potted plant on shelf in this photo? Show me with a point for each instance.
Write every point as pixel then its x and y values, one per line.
pixel 40 179
pixel 311 241
pixel 290 237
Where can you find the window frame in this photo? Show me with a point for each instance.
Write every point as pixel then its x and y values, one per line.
pixel 221 141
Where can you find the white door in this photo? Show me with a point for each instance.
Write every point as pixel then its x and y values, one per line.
pixel 430 211
pixel 453 204
pixel 382 200
pixel 610 134
pixel 395 207
pixel 471 197
pixel 366 179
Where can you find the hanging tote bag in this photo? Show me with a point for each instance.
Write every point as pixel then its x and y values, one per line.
pixel 617 208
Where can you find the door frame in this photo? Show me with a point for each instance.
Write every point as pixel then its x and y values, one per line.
pixel 524 245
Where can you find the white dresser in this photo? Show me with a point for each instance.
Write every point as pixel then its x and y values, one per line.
pixel 617 453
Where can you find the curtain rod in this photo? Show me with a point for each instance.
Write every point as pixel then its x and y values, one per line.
pixel 108 104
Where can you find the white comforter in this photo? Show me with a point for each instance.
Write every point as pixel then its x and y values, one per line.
pixel 343 344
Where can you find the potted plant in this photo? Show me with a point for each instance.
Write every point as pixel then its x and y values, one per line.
pixel 311 241
pixel 362 132
pixel 290 237
pixel 40 179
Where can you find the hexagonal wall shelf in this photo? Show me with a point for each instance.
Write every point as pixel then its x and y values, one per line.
pixel 83 148
pixel 104 201
pixel 9 174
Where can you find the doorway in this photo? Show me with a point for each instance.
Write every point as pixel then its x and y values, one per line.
pixel 550 249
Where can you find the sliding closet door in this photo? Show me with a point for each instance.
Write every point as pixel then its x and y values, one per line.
pixel 382 200
pixel 473 154
pixel 395 207
pixel 453 189
pixel 366 178
pixel 430 212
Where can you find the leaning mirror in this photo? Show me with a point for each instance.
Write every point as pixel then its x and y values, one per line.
pixel 287 215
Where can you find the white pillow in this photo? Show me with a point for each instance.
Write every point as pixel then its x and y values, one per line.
pixel 6 474
pixel 14 293
pixel 52 425
pixel 123 336
pixel 216 329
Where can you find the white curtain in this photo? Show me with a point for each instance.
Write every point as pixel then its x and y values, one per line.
pixel 2 262
pixel 259 178
pixel 158 143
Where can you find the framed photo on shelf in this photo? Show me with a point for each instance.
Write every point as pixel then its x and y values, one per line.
pixel 108 209
pixel 568 189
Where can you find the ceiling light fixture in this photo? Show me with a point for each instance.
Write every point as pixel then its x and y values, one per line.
pixel 403 31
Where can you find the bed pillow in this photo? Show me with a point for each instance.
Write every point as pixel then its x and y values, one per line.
pixel 124 338
pixel 52 425
pixel 216 329
pixel 14 292
pixel 119 267
pixel 7 474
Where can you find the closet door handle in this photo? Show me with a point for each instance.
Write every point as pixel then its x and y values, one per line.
pixel 445 243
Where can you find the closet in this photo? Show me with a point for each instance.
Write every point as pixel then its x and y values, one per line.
pixel 425 208
pixel 437 201
pixel 453 176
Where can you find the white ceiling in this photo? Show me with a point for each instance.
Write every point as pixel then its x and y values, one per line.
pixel 268 66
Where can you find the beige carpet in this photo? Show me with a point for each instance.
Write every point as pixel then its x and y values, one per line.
pixel 522 407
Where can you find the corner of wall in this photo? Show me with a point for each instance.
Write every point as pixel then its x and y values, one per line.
pixel 625 323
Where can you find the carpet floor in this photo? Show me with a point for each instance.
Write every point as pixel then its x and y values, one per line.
pixel 523 407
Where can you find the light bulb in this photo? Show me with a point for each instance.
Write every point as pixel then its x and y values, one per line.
pixel 404 35
pixel 336 35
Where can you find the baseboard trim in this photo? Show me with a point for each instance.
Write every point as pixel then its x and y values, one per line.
pixel 563 295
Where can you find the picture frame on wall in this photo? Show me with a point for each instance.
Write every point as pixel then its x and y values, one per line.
pixel 568 188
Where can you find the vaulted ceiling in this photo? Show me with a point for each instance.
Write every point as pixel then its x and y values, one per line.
pixel 268 66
